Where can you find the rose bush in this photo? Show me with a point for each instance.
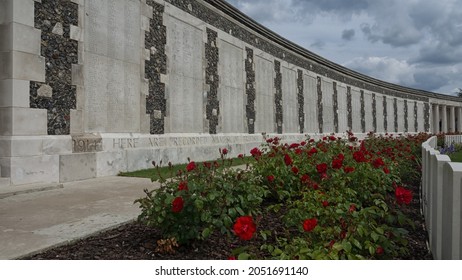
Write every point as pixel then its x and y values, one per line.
pixel 336 198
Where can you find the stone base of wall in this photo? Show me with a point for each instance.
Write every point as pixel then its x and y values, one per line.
pixel 53 159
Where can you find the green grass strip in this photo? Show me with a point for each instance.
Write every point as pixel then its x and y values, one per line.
pixel 171 171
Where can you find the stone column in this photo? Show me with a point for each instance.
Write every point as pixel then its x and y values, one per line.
pixel 452 119
pixel 436 118
pixel 444 119
pixel 459 119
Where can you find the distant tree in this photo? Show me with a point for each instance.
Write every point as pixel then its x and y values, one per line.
pixel 459 92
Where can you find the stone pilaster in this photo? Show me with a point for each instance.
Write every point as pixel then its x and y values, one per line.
pixel 212 108
pixel 363 113
pixel 374 112
pixel 335 103
pixel 278 95
pixel 385 113
pixel 349 109
pixel 250 90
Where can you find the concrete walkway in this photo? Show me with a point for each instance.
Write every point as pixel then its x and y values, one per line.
pixel 34 218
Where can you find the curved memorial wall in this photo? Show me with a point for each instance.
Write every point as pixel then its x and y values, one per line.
pixel 91 88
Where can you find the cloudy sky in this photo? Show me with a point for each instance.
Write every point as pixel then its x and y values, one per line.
pixel 414 43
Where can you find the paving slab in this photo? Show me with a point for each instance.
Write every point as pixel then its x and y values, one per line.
pixel 33 221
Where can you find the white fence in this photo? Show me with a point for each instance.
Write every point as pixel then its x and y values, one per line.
pixel 441 199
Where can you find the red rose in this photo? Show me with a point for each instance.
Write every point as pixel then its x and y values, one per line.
pixel 294 145
pixel 270 178
pixel 224 151
pixel 332 138
pixel 337 163
pixel 359 156
pixel 305 178
pixel 352 208
pixel 191 166
pixel 325 203
pixel 403 196
pixel 240 156
pixel 341 156
pixel 309 224
pixel 287 159
pixel 298 151
pixel 386 170
pixel 321 168
pixel 315 186
pixel 207 165
pixel 343 235
pixel 231 258
pixel 378 162
pixel 177 204
pixel 379 250
pixel 295 170
pixel 311 141
pixel 303 143
pixel 255 152
pixel 324 138
pixel 244 227
pixel 348 169
pixel 312 151
pixel 270 140
pixel 183 186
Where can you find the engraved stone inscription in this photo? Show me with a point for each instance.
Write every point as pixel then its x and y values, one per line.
pixel 311 108
pixel 265 117
pixel 185 90
pixel 231 97
pixel 86 143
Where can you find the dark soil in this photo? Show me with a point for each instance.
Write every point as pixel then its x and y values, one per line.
pixel 134 241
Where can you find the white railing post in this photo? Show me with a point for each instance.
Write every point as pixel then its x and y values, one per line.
pixel 451 211
pixel 435 220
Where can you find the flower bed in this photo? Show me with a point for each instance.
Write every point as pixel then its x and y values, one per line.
pixel 336 198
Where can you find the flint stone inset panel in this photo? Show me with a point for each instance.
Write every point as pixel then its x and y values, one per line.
pixel 265 111
pixel 231 90
pixel 289 101
pixel 185 87
pixel 311 107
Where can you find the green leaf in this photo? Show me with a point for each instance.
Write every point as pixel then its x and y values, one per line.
pixel 239 210
pixel 374 236
pixel 199 204
pixel 356 243
pixel 206 233
pixel 232 212
pixel 371 250
pixel 346 246
pixel 379 230
pixel 243 256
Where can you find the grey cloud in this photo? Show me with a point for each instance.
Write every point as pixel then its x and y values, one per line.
pixel 348 34
pixel 429 80
pixel 318 45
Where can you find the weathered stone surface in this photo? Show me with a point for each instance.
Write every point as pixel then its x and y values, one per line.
pixel 265 118
pixel 231 91
pixel 290 107
pixel 311 104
